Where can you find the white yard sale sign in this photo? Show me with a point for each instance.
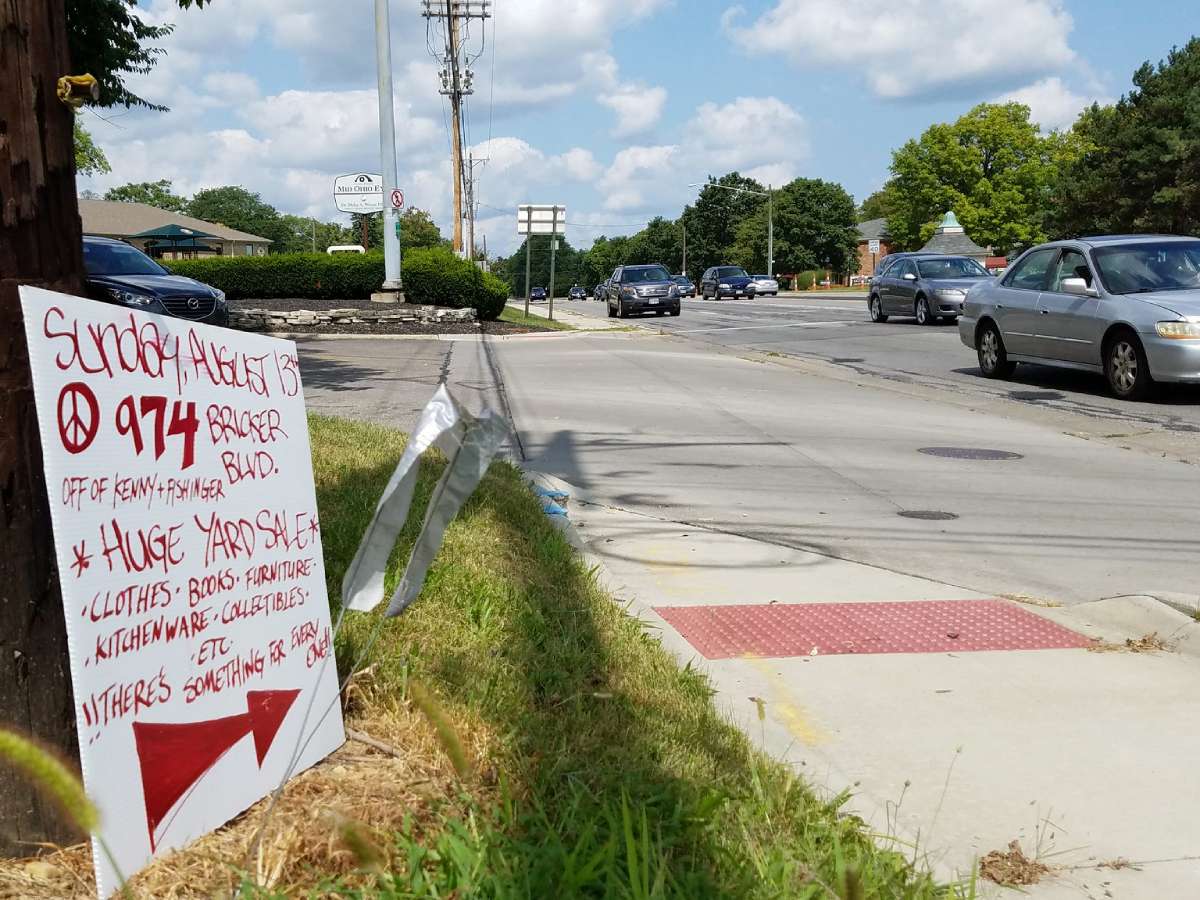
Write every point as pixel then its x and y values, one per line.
pixel 188 543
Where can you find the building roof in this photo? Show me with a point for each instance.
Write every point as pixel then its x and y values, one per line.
pixel 112 218
pixel 873 230
pixel 951 239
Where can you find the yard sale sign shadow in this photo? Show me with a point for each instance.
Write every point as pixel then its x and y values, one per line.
pixel 179 474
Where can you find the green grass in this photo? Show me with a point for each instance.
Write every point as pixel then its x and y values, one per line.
pixel 518 317
pixel 602 768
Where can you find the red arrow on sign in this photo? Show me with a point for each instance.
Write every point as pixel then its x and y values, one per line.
pixel 174 757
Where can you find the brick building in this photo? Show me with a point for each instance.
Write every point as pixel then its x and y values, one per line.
pixel 869 232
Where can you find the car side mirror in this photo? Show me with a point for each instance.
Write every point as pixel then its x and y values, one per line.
pixel 909 276
pixel 1078 287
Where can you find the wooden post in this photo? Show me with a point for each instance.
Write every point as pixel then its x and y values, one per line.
pixel 40 244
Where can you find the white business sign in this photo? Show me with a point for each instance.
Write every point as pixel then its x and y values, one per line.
pixel 545 218
pixel 189 552
pixel 361 192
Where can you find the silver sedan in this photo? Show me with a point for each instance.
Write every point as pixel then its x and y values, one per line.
pixel 1127 307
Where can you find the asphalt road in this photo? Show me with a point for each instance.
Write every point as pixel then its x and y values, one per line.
pixel 834 329
pixel 736 419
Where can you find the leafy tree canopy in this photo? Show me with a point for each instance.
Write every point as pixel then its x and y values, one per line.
pixel 110 41
pixel 236 207
pixel 814 228
pixel 89 159
pixel 153 193
pixel 712 220
pixel 992 167
pixel 874 207
pixel 1139 166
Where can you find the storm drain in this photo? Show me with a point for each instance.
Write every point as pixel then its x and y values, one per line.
pixel 969 453
pixel 929 515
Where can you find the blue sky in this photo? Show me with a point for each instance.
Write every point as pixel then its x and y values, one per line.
pixel 610 106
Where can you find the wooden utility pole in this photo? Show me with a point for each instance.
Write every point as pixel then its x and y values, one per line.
pixel 456 127
pixel 40 244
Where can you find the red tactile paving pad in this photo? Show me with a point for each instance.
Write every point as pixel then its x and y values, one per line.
pixel 812 629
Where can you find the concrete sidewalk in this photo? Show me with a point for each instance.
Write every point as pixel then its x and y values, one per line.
pixel 1079 755
pixel 564 315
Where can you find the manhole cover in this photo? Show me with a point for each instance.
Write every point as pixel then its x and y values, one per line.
pixel 930 515
pixel 1035 395
pixel 969 453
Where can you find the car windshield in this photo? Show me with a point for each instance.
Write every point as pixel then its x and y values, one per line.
pixel 118 259
pixel 649 273
pixel 954 267
pixel 1157 266
pixel 681 279
pixel 731 272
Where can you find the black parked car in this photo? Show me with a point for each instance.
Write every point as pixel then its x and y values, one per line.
pixel 577 293
pixel 538 293
pixel 642 289
pixel 121 274
pixel 686 288
pixel 726 281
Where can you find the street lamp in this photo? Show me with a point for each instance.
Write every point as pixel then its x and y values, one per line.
pixel 770 195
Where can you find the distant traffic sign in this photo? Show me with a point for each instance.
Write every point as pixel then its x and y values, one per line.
pixel 397 199
pixel 361 192
pixel 873 246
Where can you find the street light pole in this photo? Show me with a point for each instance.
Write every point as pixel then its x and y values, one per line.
pixel 770 232
pixel 387 151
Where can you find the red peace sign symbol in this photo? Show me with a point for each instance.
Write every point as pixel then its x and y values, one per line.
pixel 78 417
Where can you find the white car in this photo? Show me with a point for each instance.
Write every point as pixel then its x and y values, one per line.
pixel 764 284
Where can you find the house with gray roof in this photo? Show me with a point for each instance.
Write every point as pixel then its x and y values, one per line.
pixel 951 238
pixel 128 221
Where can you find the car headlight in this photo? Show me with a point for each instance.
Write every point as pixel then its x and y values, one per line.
pixel 950 293
pixel 220 295
pixel 130 298
pixel 723 287
pixel 1179 330
pixel 673 291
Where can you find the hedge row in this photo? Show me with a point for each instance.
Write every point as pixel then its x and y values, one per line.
pixel 432 275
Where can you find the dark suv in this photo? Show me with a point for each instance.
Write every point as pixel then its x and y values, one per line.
pixel 642 289
pixel 123 274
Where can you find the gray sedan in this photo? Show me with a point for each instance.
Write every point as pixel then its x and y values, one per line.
pixel 926 287
pixel 1125 306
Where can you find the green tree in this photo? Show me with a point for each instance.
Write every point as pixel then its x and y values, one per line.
pixel 602 257
pixel 300 232
pixel 567 267
pixel 236 207
pixel 152 193
pixel 814 228
pixel 417 229
pixel 1139 166
pixel 661 241
pixel 874 207
pixel 992 167
pixel 713 219
pixel 89 159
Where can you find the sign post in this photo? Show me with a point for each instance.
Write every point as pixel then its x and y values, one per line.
pixel 545 218
pixel 873 249
pixel 189 550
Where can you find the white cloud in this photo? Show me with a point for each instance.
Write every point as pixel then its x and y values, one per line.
pixel 580 164
pixel 909 48
pixel 638 108
pixel 231 87
pixel 1051 103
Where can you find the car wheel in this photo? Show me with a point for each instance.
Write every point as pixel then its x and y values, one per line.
pixel 876 308
pixel 660 312
pixel 993 358
pixel 674 312
pixel 1126 368
pixel 621 313
pixel 612 314
pixel 924 316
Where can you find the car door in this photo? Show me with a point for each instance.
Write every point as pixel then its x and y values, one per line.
pixel 887 287
pixel 706 281
pixel 614 287
pixel 1069 327
pixel 1016 301
pixel 902 286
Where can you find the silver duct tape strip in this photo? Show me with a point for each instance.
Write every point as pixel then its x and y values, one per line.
pixel 470 444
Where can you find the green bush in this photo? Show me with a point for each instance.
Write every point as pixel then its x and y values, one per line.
pixel 805 280
pixel 431 276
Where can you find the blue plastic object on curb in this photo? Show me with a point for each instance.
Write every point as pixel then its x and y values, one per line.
pixel 550 508
pixel 552 494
